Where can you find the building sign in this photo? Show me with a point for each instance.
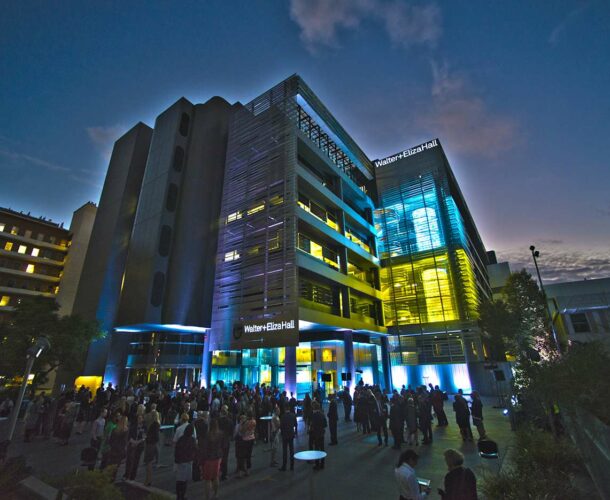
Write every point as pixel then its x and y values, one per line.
pixel 265 333
pixel 406 153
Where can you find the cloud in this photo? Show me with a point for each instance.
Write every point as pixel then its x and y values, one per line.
pixel 20 157
pixel 462 119
pixel 405 23
pixel 104 138
pixel 558 30
pixel 560 264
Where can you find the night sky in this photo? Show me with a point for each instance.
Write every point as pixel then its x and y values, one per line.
pixel 517 92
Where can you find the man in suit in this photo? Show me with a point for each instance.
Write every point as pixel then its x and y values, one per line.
pixel 333 417
pixel 317 429
pixel 288 423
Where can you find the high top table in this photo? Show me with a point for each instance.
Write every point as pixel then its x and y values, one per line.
pixel 310 455
pixel 268 419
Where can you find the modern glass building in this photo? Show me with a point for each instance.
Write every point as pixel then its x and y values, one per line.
pixel 258 243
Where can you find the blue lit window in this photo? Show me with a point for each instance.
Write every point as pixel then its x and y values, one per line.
pixel 425 224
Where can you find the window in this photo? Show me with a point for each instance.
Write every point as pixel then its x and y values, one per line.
pixel 22 249
pixel 156 296
pixel 28 233
pixel 35 252
pixel 184 124
pixel 232 255
pixel 2 226
pixel 234 216
pixel 5 300
pixel 30 269
pixel 427 232
pixel 165 241
pixel 172 197
pixel 15 230
pixel 8 246
pixel 580 323
pixel 258 208
pixel 178 159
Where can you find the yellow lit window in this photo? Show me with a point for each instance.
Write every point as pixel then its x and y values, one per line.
pixel 2 226
pixel 254 250
pixel 234 216
pixel 4 300
pixel 56 290
pixel 35 252
pixel 303 206
pixel 8 246
pixel 14 230
pixel 232 255
pixel 278 199
pixel 30 268
pixel 256 209
pixel 22 249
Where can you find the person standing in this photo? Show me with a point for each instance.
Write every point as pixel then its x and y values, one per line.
pixel 97 430
pixel 225 424
pixel 476 409
pixel 411 422
pixel 460 482
pixel 288 422
pixel 406 478
pixel 118 443
pixel 211 458
pixel 151 446
pixel 317 429
pixel 135 447
pixel 333 418
pixel 347 404
pixel 437 399
pixel 462 417
pixel 397 422
pixel 275 431
pixel 425 418
pixel 184 453
pixel 307 409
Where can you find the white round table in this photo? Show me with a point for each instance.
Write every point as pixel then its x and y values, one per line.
pixel 310 455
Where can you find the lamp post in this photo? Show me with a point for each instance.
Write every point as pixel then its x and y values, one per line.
pixel 42 344
pixel 535 255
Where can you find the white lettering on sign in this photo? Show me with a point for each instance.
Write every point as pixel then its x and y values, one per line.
pixel 406 153
pixel 270 326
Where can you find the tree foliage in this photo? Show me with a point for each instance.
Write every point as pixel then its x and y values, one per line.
pixel 69 337
pixel 518 321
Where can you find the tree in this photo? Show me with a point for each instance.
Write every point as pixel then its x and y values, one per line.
pixel 518 322
pixel 69 336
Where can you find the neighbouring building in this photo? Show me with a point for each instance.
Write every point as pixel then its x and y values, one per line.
pixel 498 273
pixel 581 309
pixel 259 243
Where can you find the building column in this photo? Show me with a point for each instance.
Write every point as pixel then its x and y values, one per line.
pixel 387 365
pixel 348 346
pixel 206 363
pixel 290 370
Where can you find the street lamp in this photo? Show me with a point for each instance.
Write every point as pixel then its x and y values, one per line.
pixel 535 255
pixel 33 352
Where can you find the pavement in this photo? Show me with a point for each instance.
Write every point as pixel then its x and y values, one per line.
pixel 355 469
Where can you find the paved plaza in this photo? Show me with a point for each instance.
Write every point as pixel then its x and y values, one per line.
pixel 355 469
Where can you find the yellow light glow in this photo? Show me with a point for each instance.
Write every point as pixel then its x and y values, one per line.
pixel 232 255
pixel 5 300
pixel 30 268
pixel 91 382
pixel 22 249
pixel 256 209
pixel 234 216
pixel 8 246
pixel 327 355
pixel 276 200
pixel 35 252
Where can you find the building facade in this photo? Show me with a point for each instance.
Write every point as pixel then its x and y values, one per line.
pixel 259 243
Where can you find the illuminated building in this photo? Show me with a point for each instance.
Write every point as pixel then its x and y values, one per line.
pixel 248 242
pixel 41 258
pixel 433 269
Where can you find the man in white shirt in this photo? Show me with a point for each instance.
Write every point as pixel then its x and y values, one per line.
pixel 408 487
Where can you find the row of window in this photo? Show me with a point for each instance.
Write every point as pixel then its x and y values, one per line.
pixel 28 233
pixel 35 286
pixel 256 207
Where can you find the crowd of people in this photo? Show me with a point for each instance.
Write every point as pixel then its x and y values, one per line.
pixel 126 426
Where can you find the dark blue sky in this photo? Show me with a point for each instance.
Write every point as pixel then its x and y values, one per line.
pixel 516 91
